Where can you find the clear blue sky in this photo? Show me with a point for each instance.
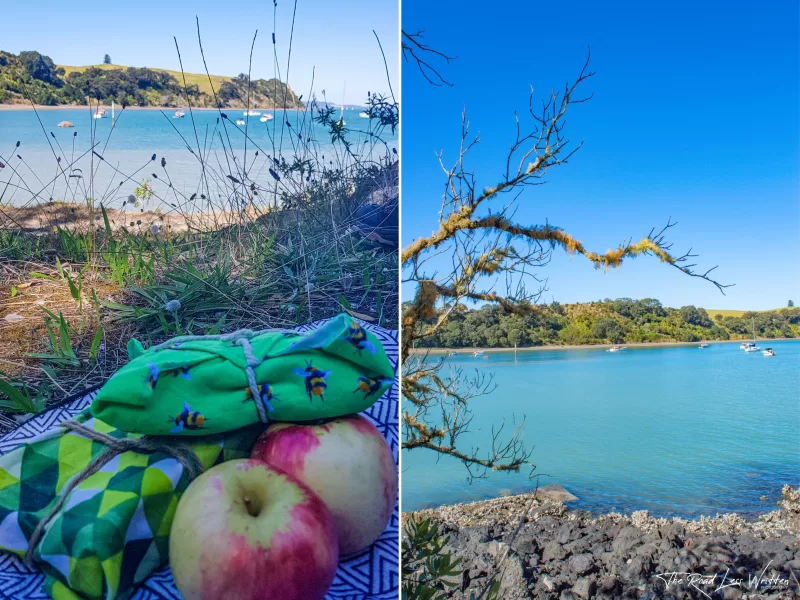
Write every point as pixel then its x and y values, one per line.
pixel 335 37
pixel 695 117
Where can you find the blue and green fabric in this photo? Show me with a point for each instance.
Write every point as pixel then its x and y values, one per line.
pixel 113 528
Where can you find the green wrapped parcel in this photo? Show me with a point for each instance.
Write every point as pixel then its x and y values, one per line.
pixel 212 384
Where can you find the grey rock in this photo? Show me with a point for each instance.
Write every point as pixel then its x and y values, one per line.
pixel 582 564
pixel 584 588
pixel 627 539
pixel 555 493
pixel 547 583
pixel 553 551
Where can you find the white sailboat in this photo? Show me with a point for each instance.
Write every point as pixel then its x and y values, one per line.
pixel 363 115
pixel 240 122
pixel 100 113
pixel 265 118
pixel 252 112
pixel 179 114
pixel 751 347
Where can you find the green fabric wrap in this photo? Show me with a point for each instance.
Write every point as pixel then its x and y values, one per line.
pixel 113 529
pixel 200 386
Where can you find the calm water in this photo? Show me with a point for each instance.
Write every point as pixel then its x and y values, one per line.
pixel 676 431
pixel 139 134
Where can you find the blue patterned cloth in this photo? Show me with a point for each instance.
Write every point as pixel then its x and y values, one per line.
pixel 371 574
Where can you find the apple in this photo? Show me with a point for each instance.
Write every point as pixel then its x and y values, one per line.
pixel 244 530
pixel 347 463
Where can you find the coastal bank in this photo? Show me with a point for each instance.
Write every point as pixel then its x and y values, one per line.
pixel 538 548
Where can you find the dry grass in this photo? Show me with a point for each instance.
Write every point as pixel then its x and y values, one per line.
pixel 198 79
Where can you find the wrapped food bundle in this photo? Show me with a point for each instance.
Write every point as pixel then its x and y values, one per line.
pixel 92 501
pixel 203 385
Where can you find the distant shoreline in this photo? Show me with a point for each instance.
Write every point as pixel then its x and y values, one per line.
pixel 439 351
pixel 107 107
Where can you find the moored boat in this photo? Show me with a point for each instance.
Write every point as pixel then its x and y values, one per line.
pixel 703 345
pixel 179 114
pixel 265 118
pixel 478 354
pixel 617 348
pixel 364 115
pixel 768 352
pixel 100 113
pixel 240 122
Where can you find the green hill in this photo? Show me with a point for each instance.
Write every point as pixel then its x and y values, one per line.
pixel 35 77
pixel 608 321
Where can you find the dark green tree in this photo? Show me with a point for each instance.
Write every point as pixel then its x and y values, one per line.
pixel 107 59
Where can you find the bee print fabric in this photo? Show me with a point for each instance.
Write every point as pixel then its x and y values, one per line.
pixel 202 385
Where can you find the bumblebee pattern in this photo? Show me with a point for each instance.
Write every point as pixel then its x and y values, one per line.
pixel 357 337
pixel 188 419
pixel 267 395
pixel 314 380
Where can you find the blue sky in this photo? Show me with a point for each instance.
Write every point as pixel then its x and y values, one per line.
pixel 335 37
pixel 694 117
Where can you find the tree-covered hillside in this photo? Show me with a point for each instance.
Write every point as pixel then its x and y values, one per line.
pixel 609 321
pixel 31 76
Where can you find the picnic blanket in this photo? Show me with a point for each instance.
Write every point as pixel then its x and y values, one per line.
pixel 370 574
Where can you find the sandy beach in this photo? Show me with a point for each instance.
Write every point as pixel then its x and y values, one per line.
pixel 630 346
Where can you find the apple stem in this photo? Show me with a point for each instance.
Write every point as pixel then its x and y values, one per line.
pixel 249 506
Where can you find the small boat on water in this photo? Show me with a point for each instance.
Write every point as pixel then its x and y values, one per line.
pixel 617 348
pixel 252 113
pixel 703 345
pixel 265 118
pixel 768 352
pixel 100 113
pixel 179 114
pixel 452 353
pixel 478 354
pixel 751 346
pixel 364 115
pixel 240 122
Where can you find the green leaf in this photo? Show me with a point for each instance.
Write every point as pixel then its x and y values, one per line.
pixel 344 302
pixel 13 291
pixel 98 337
pixel 105 220
pixel 73 289
pixel 59 268
pixel 43 276
pixel 17 401
pixel 63 339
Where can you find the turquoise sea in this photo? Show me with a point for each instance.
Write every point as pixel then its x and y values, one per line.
pixel 34 170
pixel 678 431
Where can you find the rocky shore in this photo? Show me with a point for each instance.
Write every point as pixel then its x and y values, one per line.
pixel 538 548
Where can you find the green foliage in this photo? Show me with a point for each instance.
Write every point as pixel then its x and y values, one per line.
pixel 35 77
pixel 609 321
pixel 428 572
pixel 58 331
pixel 19 398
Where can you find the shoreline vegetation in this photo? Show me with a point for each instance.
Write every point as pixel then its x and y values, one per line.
pixel 622 321
pixel 538 548
pixel 31 77
pixel 548 347
pixel 27 106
